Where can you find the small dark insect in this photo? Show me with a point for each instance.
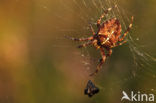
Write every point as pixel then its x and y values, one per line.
pixel 91 89
pixel 107 37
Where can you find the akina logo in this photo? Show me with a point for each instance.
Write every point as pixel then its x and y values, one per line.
pixel 138 96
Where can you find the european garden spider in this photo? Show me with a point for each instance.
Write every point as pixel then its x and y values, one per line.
pixel 107 37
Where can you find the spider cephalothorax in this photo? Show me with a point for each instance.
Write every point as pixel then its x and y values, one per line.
pixel 107 37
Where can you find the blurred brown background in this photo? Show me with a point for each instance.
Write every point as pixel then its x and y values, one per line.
pixel 38 65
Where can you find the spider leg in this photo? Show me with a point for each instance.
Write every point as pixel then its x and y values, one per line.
pixel 103 15
pixel 81 39
pixel 85 44
pixel 128 29
pixel 118 44
pixel 109 51
pixel 102 60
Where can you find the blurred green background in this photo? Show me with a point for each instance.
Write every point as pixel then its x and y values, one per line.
pixel 38 65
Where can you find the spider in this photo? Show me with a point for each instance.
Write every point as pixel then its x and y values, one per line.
pixel 107 37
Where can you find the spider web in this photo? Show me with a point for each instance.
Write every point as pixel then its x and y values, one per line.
pixel 85 12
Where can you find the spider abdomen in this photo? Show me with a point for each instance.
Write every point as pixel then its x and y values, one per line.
pixel 110 31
